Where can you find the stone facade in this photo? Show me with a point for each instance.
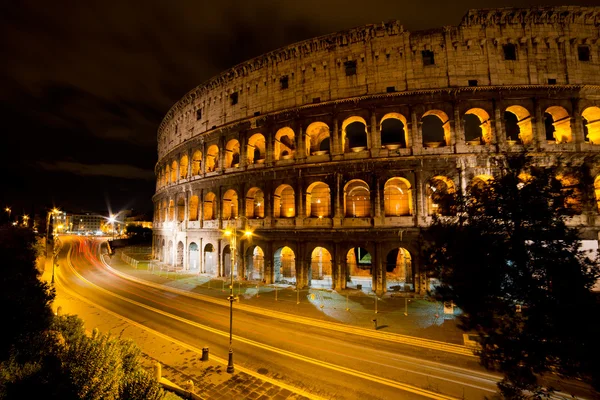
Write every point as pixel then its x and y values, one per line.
pixel 339 143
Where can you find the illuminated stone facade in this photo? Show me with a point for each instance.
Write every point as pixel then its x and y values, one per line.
pixel 334 150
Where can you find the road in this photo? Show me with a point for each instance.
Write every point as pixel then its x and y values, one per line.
pixel 330 364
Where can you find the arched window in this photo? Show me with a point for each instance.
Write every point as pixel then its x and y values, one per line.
pixel 436 129
pixel 285 147
pixel 572 191
pixel 318 134
pixel 518 125
pixel 478 184
pixel 558 125
pixel 397 197
pixel 255 203
pixel 318 200
pixel 597 191
pixel 398 270
pixel 284 265
pixel 174 172
pixel 256 149
pixel 441 196
pixel 210 206
pixel 393 131
pixel 354 134
pixel 591 119
pixel 194 203
pixel 183 167
pixel 232 154
pixel 357 198
pixel 478 127
pixel 212 158
pixel 230 204
pixel 196 163
pixel 171 210
pixel 284 202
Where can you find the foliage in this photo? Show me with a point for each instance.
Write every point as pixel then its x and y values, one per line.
pixel 509 246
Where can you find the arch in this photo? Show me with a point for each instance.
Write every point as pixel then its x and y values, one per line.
pixel 232 154
pixel 318 138
pixel 597 191
pixel 399 270
pixel 180 209
pixel 359 268
pixel 193 208
pixel 171 210
pixel 212 158
pixel 354 134
pixel 357 199
pixel 210 206
pixel 394 131
pixel 320 268
pixel 179 260
pixel 193 256
pixel 441 196
pixel 255 264
pixel 256 149
pixel 197 163
pixel 285 146
pixel 284 205
pixel 255 203
pixel 397 197
pixel 558 125
pixel 183 167
pixel 318 200
pixel 572 191
pixel 436 129
pixel 519 126
pixel 478 126
pixel 591 115
pixel 210 260
pixel 478 183
pixel 174 171
pixel 230 204
pixel 284 265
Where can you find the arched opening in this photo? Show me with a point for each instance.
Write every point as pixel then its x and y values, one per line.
pixel 171 210
pixel 255 203
pixel 318 134
pixel 518 125
pixel 193 208
pixel 174 172
pixel 170 254
pixel 180 209
pixel 212 158
pixel 179 255
pixel 230 204
pixel 318 200
pixel 232 154
pixel 256 149
pixel 183 167
pixel 196 163
pixel 284 202
pixel 354 134
pixel 572 193
pixel 255 264
pixel 285 146
pixel 210 206
pixel 558 125
pixel 284 265
pixel 397 198
pixel 441 196
pixel 478 185
pixel 436 129
pixel 597 191
pixel 357 199
pixel 478 127
pixel 591 124
pixel 359 268
pixel 194 257
pixel 399 271
pixel 320 269
pixel 393 131
pixel 210 260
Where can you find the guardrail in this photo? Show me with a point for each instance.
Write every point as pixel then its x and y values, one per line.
pixel 131 261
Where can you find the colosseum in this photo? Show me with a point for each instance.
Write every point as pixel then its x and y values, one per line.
pixel 333 151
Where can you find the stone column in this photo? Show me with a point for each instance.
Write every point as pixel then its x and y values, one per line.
pixel 377 198
pixel 301 267
pixel 537 127
pixel 219 258
pixel 340 266
pixel 456 126
pixel 203 160
pixel 243 150
pixel 498 128
pixel 338 213
pixel 190 155
pixel 375 145
pixel 577 124
pixel 222 152
pixel 336 142
pixel 416 132
pixel 268 262
pixel 201 208
pixel 300 147
pixel 269 146
pixel 300 199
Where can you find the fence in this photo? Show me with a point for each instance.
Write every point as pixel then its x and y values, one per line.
pixel 139 249
pixel 129 260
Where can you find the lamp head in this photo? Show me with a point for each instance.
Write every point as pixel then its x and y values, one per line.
pixel 247 233
pixel 228 232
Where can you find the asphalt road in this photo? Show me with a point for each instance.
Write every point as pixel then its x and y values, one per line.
pixel 322 362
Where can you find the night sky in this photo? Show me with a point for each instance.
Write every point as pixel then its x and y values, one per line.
pixel 84 84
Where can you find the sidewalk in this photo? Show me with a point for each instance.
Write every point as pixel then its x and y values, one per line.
pixel 395 313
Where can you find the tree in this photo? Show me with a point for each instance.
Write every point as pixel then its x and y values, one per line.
pixel 517 271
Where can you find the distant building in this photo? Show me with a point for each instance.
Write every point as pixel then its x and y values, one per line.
pixel 86 222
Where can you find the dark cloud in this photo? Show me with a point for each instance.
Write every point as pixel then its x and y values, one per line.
pixel 111 170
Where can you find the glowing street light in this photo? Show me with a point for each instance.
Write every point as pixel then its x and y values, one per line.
pixel 50 214
pixel 8 210
pixel 112 220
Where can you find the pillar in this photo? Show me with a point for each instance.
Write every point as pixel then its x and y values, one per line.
pixel 375 134
pixel 336 143
pixel 219 258
pixel 300 147
pixel 538 128
pixel 577 124
pixel 456 126
pixel 417 133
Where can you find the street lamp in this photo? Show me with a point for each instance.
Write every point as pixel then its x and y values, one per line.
pixel 232 235
pixel 48 216
pixel 112 221
pixel 8 210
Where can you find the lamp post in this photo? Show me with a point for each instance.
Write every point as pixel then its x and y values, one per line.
pixel 8 210
pixel 112 221
pixel 232 234
pixel 49 215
